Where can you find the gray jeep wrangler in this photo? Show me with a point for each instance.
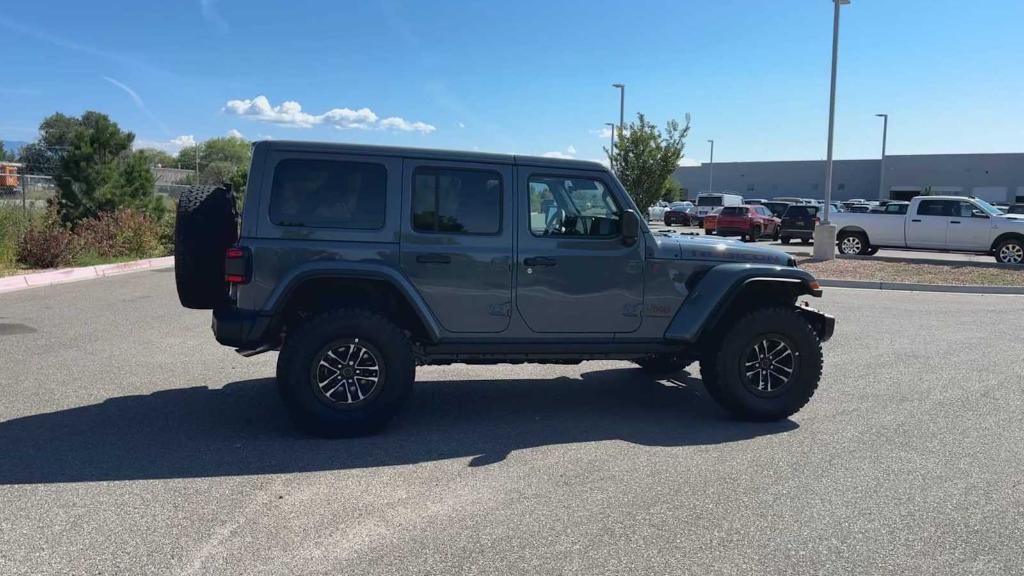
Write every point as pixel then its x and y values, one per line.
pixel 360 263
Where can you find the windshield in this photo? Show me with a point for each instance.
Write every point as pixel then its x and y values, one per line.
pixel 709 201
pixel 990 209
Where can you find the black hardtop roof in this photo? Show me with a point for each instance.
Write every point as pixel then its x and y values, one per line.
pixel 427 153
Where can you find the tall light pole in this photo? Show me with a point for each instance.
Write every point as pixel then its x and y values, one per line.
pixel 611 125
pixel 881 177
pixel 622 104
pixel 825 234
pixel 711 168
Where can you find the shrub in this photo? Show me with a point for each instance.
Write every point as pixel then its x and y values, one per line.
pixel 46 243
pixel 124 232
pixel 12 222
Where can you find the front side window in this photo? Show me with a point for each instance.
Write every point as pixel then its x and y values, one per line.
pixel 456 201
pixel 580 207
pixel 328 194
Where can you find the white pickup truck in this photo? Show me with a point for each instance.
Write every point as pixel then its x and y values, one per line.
pixel 948 223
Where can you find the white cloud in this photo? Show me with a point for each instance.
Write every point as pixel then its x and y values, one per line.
pixel 137 100
pixel 461 125
pixel 568 154
pixel 235 134
pixel 688 162
pixel 212 15
pixel 289 113
pixel 172 146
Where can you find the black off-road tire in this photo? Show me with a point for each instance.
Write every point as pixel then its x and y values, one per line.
pixel 205 227
pixel 722 367
pixel 297 371
pixel 663 363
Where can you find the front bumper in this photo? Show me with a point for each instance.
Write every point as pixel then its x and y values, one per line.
pixel 824 324
pixel 239 328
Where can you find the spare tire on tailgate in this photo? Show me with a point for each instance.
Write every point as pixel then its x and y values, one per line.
pixel 206 226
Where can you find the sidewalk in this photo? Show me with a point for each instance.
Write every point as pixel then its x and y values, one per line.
pixel 65 275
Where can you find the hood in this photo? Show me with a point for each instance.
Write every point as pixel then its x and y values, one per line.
pixel 673 246
pixel 1014 217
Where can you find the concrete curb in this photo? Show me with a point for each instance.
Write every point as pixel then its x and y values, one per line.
pixel 913 287
pixel 66 275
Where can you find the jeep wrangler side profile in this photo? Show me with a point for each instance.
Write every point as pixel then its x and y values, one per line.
pixel 360 263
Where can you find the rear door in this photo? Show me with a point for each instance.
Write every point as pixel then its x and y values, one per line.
pixel 457 241
pixel 926 227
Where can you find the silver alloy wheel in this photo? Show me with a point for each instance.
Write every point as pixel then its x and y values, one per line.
pixel 1011 254
pixel 851 245
pixel 348 372
pixel 769 365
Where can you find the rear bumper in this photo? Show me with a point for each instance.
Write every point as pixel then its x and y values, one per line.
pixel 731 230
pixel 797 233
pixel 239 328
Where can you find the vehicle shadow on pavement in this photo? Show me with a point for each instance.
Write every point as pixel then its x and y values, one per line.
pixel 242 429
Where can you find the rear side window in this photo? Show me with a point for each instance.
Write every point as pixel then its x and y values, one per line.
pixel 456 201
pixel 734 211
pixel 709 201
pixel 934 208
pixel 328 194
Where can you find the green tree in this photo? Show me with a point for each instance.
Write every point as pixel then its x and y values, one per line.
pixel 672 191
pixel 219 158
pixel 98 172
pixel 5 155
pixel 156 158
pixel 644 157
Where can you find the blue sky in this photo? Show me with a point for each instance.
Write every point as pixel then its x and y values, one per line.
pixel 526 76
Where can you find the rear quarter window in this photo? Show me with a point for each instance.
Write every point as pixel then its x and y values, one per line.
pixel 328 194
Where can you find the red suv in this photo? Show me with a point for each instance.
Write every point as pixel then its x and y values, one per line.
pixel 747 222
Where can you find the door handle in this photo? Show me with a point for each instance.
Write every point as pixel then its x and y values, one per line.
pixel 954 221
pixel 916 220
pixel 539 261
pixel 434 259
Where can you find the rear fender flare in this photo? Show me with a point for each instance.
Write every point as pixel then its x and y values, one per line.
pixel 278 299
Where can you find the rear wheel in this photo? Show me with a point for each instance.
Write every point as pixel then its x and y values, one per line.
pixel 345 373
pixel 805 240
pixel 766 367
pixel 1010 251
pixel 853 244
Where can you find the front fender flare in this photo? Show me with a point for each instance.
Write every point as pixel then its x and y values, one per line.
pixel 719 288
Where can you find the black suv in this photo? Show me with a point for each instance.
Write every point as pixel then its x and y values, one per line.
pixel 360 263
pixel 798 221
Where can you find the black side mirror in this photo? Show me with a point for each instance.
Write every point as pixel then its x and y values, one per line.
pixel 630 227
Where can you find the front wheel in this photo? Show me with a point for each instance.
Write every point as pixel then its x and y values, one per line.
pixel 1010 251
pixel 767 366
pixel 345 373
pixel 785 239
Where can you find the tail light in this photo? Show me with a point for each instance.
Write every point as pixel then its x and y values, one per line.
pixel 237 268
pixel 817 220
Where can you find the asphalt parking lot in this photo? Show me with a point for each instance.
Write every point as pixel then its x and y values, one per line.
pixel 131 443
pixel 798 248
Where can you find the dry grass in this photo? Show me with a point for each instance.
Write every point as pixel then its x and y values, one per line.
pixel 959 274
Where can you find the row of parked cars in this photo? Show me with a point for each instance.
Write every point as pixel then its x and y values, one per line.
pixel 947 223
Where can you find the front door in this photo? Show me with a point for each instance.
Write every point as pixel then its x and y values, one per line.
pixel 970 228
pixel 574 274
pixel 457 241
pixel 926 228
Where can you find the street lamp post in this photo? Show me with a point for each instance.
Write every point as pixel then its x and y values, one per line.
pixel 622 104
pixel 825 234
pixel 881 177
pixel 711 168
pixel 611 125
